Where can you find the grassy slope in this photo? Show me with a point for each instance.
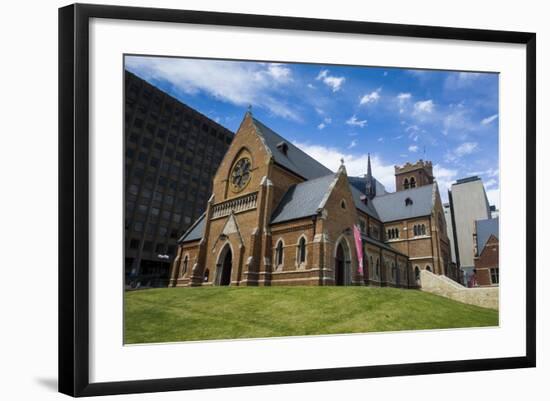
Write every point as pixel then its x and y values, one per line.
pixel 178 314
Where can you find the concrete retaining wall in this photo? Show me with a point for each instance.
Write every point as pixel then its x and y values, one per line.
pixel 486 297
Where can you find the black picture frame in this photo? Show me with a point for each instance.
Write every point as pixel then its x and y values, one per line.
pixel 74 198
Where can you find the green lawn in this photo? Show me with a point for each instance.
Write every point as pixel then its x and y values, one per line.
pixel 180 314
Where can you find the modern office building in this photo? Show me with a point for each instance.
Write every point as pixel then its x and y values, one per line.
pixel 171 155
pixel 450 235
pixel 468 203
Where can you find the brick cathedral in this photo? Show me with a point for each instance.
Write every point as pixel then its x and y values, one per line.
pixel 278 217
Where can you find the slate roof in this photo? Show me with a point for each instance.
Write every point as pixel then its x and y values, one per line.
pixel 295 160
pixel 302 200
pixel 361 182
pixel 484 229
pixel 195 232
pixel 360 204
pixel 391 207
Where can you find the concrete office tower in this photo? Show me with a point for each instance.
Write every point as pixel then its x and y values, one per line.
pixel 450 234
pixel 468 202
pixel 171 155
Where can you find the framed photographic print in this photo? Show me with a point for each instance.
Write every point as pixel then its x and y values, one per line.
pixel 250 199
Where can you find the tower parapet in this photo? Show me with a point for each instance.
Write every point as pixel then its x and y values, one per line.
pixel 413 175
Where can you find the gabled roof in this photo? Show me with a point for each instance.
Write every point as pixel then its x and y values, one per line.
pixel 195 232
pixel 391 207
pixel 303 199
pixel 360 204
pixel 307 198
pixel 295 160
pixel 484 230
pixel 361 182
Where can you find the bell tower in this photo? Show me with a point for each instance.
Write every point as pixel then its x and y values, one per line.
pixel 415 175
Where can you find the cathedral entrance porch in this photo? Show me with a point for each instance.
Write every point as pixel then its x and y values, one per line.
pixel 224 266
pixel 342 263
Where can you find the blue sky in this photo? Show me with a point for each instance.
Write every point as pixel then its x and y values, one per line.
pixel 334 112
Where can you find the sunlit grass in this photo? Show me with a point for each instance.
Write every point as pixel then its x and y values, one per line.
pixel 181 314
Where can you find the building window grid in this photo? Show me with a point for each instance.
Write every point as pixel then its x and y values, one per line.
pixel 177 170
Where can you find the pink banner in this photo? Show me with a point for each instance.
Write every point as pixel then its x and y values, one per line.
pixel 358 247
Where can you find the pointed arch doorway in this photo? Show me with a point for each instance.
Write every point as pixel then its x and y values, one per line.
pixel 342 263
pixel 224 266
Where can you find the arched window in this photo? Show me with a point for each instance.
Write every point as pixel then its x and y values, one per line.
pixel 279 253
pixel 428 268
pixel 415 230
pixel 302 250
pixel 416 273
pixel 206 275
pixel 377 267
pixel 393 271
pixel 396 233
pixel 408 202
pixel 406 184
pixel 184 265
pixel 423 229
pixel 343 204
pixel 413 182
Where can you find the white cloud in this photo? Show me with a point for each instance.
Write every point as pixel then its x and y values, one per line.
pixel 402 100
pixel 490 172
pixel 490 183
pixel 372 97
pixel 445 177
pixel 326 121
pixel 461 79
pixel 493 196
pixel 466 148
pixel 402 97
pixel 352 144
pixel 463 149
pixel 381 139
pixel 413 148
pixel 238 83
pixel 279 72
pixel 353 121
pixel 335 83
pixel 311 86
pixel 489 119
pixel 424 106
pixel 356 165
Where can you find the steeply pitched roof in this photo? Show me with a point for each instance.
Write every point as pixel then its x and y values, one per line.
pixel 303 199
pixel 484 229
pixel 359 204
pixel 391 207
pixel 295 159
pixel 306 198
pixel 360 182
pixel 195 232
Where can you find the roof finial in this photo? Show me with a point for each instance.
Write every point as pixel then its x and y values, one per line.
pixel 249 109
pixel 342 161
